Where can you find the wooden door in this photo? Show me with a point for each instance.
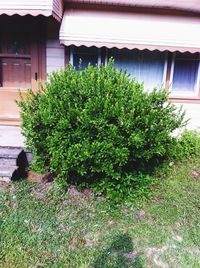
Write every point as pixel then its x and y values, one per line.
pixel 16 73
pixel 19 64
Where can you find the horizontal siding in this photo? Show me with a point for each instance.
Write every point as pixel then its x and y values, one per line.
pixel 58 51
pixel 192 113
pixel 58 7
pixel 55 54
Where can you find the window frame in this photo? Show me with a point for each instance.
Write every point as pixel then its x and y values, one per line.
pixel 184 94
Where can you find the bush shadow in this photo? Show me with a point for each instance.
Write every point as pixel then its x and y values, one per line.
pixel 119 254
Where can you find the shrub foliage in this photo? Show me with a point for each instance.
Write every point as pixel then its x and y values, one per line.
pixel 187 145
pixel 98 125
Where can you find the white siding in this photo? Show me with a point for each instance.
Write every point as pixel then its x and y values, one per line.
pixel 55 53
pixel 192 113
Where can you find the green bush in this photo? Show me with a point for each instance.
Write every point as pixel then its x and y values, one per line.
pixel 99 126
pixel 188 145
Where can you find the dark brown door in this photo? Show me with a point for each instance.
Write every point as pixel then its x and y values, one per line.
pixel 19 63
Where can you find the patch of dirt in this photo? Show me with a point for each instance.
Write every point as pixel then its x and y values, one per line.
pixel 92 239
pixel 130 255
pixel 195 174
pixel 140 214
pixel 46 177
pixel 88 242
pixel 40 190
pixel 111 223
pixel 74 242
pixel 159 200
pixel 155 253
pixel 46 191
pixel 87 192
pixel 3 186
pixel 73 192
pixel 178 238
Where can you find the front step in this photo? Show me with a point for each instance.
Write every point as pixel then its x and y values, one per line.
pixel 10 152
pixel 13 163
pixel 8 162
pixel 9 172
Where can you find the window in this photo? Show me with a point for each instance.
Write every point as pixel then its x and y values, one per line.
pixel 154 68
pixel 15 61
pixel 185 74
pixel 86 55
pixel 146 66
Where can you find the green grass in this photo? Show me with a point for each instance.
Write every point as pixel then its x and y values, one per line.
pixel 40 226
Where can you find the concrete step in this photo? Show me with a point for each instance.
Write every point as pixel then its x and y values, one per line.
pixel 13 163
pixel 8 173
pixel 8 162
pixel 10 152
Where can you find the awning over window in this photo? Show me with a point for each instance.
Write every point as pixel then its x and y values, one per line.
pixel 32 7
pixel 130 30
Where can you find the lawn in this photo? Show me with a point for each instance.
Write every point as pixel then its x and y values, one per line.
pixel 40 226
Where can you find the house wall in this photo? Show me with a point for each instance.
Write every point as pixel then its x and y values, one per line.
pixel 192 113
pixel 58 8
pixel 55 53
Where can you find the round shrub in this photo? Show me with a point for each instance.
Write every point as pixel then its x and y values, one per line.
pixel 99 126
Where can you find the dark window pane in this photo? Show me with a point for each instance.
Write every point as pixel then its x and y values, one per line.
pixel 86 55
pixel 185 74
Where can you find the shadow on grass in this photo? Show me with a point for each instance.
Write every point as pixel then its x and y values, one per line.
pixel 120 254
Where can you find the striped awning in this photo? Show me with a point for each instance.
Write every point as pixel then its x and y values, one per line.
pixel 130 30
pixel 32 7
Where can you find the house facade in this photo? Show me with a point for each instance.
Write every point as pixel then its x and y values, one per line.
pixel 155 42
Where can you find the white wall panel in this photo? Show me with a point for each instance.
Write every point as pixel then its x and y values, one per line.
pixel 55 56
pixel 55 52
pixel 192 113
